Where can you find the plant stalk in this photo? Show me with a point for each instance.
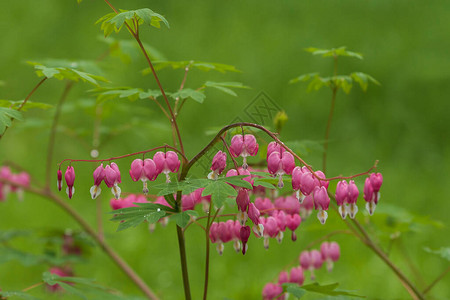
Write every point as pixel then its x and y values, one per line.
pixel 184 270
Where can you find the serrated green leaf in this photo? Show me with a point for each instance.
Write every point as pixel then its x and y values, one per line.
pixel 443 252
pixel 28 105
pixel 6 115
pixel 61 73
pixel 19 294
pixel 226 86
pixel 189 93
pixel 341 51
pixel 109 93
pixel 143 16
pixel 191 64
pixel 237 181
pixel 182 218
pixel 318 82
pixel 294 289
pixel 329 289
pixel 134 216
pixel 304 77
pixel 219 191
pixel 263 183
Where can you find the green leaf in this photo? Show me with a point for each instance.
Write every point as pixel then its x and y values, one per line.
pixel 134 216
pixel 107 26
pixel 186 187
pixel 263 183
pixel 132 94
pixel 182 218
pixel 341 51
pixel 189 93
pixel 79 1
pixel 28 105
pixel 329 289
pixel 363 79
pixel 6 117
pixel 443 252
pixel 237 181
pixel 318 82
pixel 191 64
pixel 61 73
pixel 226 86
pixel 19 294
pixel 219 191
pixel 6 235
pixel 342 81
pixel 294 289
pixel 304 77
pixel 143 16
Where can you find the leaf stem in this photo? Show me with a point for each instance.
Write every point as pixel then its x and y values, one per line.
pixel 26 100
pixel 51 140
pixel 32 286
pixel 122 156
pixel 207 247
pixel 184 270
pixel 428 288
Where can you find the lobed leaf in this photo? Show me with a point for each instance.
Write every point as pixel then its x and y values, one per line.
pixel 19 294
pixel 61 73
pixel 28 105
pixel 134 216
pixel 329 289
pixel 202 66
pixel 303 78
pixel 189 93
pixel 341 51
pixel 226 86
pixel 143 16
pixel 219 191
pixel 6 117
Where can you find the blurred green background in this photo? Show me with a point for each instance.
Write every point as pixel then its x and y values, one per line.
pixel 403 123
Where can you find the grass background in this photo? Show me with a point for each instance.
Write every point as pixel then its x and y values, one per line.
pixel 403 123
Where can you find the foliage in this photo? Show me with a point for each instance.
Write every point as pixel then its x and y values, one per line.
pixel 329 290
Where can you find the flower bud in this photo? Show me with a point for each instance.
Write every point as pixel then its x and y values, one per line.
pixel 69 176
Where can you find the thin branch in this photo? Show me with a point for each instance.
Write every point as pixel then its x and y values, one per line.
pixel 51 140
pixel 207 247
pixel 32 287
pixel 123 156
pixel 229 153
pixel 428 288
pixel 26 100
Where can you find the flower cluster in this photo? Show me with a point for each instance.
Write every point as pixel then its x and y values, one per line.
pixel 309 260
pixel 143 170
pixel 22 178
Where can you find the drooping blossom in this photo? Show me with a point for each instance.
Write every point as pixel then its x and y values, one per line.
pixel 372 187
pixel 279 164
pixel 330 253
pixel 321 203
pixel 271 291
pixel 112 179
pixel 143 170
pixel 69 176
pixel 99 176
pixel 244 145
pixel 166 162
pixel 219 163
